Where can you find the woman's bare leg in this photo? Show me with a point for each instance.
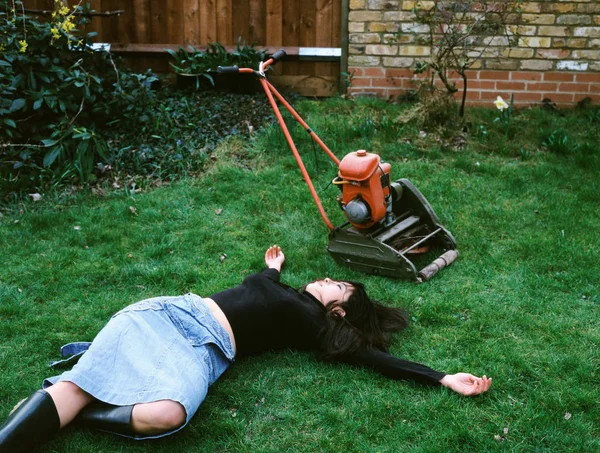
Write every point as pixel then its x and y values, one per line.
pixel 157 417
pixel 69 399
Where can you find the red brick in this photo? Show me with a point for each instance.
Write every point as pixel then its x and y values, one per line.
pixel 361 82
pixel 510 86
pixel 575 87
pixel 400 73
pixel 560 97
pixel 386 82
pixel 559 76
pixel 528 96
pixel 492 95
pixel 471 95
pixel 519 75
pixel 481 85
pixel 592 77
pixel 374 72
pixel 595 98
pixel 356 72
pixel 494 75
pixel 581 96
pixel 547 86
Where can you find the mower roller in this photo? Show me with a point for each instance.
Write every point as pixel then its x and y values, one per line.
pixel 389 223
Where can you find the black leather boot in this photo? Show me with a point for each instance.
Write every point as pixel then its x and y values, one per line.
pixel 32 423
pixel 106 417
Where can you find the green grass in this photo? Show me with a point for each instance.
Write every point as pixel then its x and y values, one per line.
pixel 521 303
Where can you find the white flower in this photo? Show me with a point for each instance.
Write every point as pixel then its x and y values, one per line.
pixel 500 104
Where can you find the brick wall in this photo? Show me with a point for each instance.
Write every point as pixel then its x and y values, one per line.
pixel 555 54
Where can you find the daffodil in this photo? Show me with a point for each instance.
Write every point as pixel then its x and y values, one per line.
pixel 500 104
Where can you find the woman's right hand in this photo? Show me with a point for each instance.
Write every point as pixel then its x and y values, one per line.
pixel 466 384
pixel 274 257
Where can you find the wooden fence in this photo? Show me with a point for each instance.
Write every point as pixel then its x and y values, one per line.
pixel 146 27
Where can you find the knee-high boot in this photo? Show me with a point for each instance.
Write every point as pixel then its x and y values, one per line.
pixel 106 417
pixel 32 423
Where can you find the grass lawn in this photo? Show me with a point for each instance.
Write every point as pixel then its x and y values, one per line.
pixel 521 304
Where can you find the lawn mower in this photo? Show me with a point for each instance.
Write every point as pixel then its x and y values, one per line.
pixel 389 223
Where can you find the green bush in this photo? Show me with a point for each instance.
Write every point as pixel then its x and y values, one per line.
pixel 55 93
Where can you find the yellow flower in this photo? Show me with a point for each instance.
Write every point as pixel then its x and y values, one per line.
pixel 55 33
pixel 23 46
pixel 68 26
pixel 500 104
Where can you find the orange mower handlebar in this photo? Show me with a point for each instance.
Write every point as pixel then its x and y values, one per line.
pixel 272 93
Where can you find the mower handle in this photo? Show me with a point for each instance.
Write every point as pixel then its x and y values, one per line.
pixel 278 56
pixel 236 70
pixel 228 69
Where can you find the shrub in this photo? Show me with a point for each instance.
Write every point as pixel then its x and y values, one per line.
pixel 55 93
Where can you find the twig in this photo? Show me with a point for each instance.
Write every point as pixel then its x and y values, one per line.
pixel 43 12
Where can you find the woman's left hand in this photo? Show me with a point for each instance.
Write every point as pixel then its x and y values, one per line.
pixel 274 257
pixel 466 384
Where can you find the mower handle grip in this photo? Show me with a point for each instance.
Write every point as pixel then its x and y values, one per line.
pixel 228 69
pixel 278 55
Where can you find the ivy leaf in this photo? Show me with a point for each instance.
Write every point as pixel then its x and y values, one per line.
pixel 17 104
pixel 10 123
pixel 37 104
pixel 51 156
pixel 49 142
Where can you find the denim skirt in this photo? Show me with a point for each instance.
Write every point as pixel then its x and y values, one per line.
pixel 164 348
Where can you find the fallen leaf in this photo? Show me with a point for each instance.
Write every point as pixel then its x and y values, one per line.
pixel 35 196
pixel 498 437
pixel 77 228
pixel 223 257
pixel 133 210
pixel 219 211
pixel 568 415
pixel 130 255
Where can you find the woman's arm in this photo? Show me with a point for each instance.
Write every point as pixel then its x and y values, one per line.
pixel 274 258
pixel 396 368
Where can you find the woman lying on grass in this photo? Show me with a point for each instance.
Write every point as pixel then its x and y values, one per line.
pixel 149 369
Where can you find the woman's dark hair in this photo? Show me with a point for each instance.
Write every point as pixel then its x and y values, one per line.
pixel 366 323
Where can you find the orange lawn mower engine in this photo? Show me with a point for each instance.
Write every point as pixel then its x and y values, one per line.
pixel 366 197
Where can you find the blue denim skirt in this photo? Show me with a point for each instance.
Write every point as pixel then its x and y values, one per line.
pixel 164 348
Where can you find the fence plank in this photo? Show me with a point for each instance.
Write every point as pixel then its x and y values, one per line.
pixel 191 24
pixel 274 23
pixel 224 22
pixel 208 21
pixel 158 24
pixel 241 18
pixel 174 13
pixel 256 21
pixel 323 35
pixel 291 28
pixel 137 20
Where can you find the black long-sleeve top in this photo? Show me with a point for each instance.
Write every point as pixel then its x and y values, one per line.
pixel 267 315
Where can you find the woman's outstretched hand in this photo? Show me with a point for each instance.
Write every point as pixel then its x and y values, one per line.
pixel 466 384
pixel 274 257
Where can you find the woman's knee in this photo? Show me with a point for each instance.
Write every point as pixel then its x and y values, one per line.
pixel 158 417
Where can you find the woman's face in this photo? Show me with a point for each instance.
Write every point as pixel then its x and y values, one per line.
pixel 327 291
